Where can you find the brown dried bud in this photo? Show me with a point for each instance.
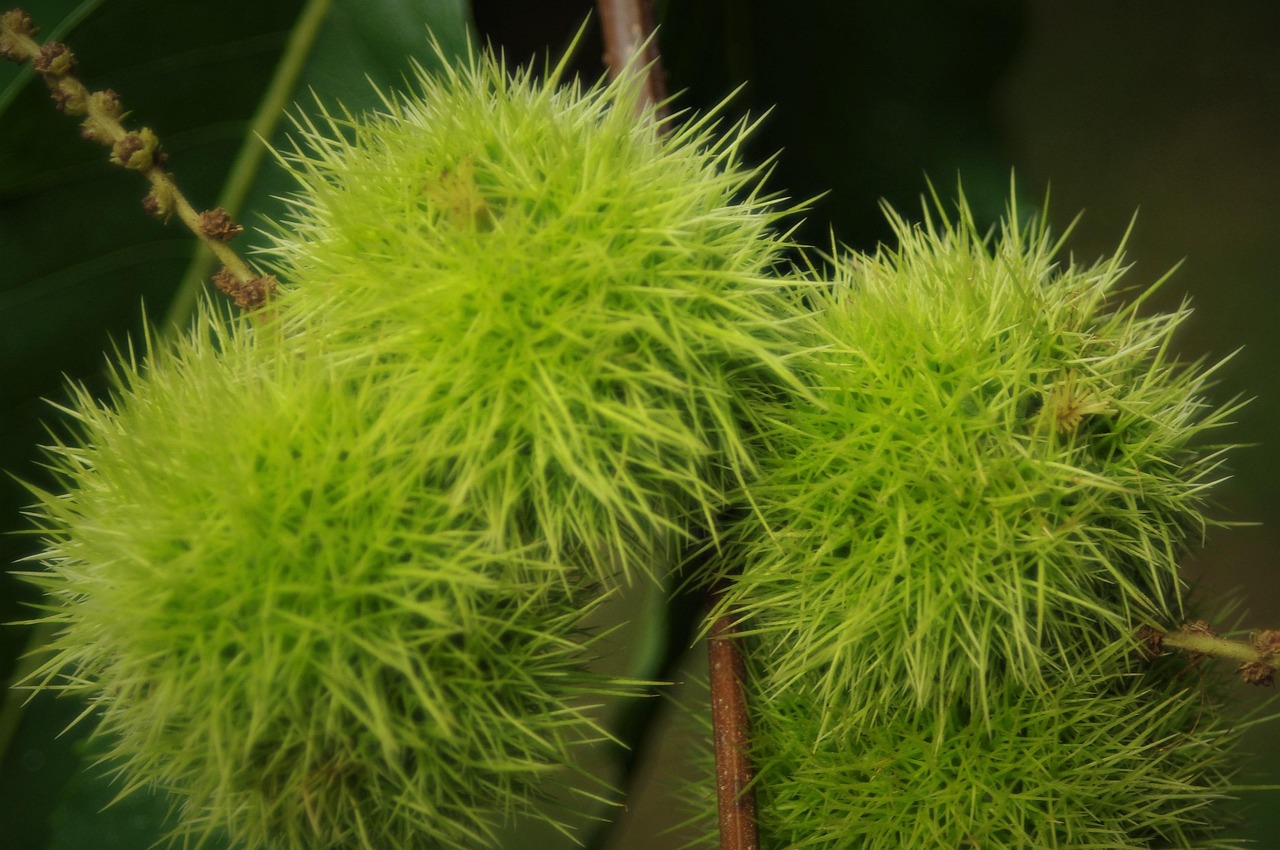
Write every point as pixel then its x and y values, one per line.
pixel 130 151
pixel 54 60
pixel 1150 643
pixel 1266 641
pixel 1257 673
pixel 226 281
pixel 217 225
pixel 1199 627
pixel 249 295
pixel 257 292
pixel 136 151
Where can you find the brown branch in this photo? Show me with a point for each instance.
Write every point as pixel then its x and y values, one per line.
pixel 630 48
pixel 731 727
pixel 133 150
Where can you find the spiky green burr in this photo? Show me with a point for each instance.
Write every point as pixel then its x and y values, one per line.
pixel 282 618
pixel 590 301
pixel 999 466
pixel 963 527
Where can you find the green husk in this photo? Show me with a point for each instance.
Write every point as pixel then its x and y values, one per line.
pixel 952 545
pixel 593 305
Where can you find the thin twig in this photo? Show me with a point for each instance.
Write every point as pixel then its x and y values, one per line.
pixel 1258 657
pixel 133 150
pixel 630 48
pixel 731 727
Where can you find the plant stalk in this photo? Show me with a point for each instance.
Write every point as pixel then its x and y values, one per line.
pixel 1258 657
pixel 133 150
pixel 630 48
pixel 735 798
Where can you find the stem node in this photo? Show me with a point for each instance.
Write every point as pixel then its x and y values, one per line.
pixel 1258 657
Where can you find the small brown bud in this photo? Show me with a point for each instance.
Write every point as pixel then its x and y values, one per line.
pixel 217 225
pixel 260 291
pixel 1257 673
pixel 1199 627
pixel 54 60
pixel 249 295
pixel 256 292
pixel 129 150
pixel 1266 641
pixel 225 281
pixel 136 151
pixel 1150 643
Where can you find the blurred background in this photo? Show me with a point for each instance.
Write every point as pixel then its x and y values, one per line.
pixel 1168 110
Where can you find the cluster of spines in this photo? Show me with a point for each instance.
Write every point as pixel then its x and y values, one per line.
pixel 1110 758
pixel 254 560
pixel 955 538
pixel 592 305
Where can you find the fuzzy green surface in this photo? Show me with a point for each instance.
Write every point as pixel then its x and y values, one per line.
pixel 284 621
pixel 999 470
pixel 588 302
pixel 1109 757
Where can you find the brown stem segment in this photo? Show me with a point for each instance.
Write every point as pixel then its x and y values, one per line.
pixel 134 150
pixel 731 725
pixel 629 47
